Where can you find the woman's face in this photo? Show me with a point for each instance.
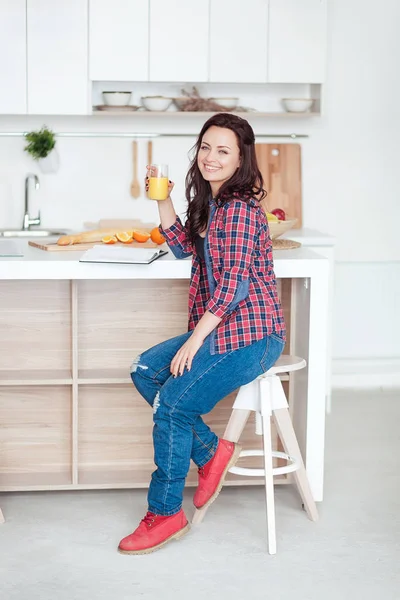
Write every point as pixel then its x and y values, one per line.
pixel 218 156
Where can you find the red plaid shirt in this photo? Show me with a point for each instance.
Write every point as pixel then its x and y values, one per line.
pixel 236 282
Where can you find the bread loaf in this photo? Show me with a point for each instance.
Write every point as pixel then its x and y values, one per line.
pixel 86 236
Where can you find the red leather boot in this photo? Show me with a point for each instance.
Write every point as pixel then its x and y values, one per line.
pixel 153 532
pixel 212 475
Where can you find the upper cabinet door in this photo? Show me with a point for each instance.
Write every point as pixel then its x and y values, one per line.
pixel 119 40
pixel 57 57
pixel 239 41
pixel 13 57
pixel 297 41
pixel 179 40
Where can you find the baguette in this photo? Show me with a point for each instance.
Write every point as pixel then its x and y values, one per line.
pixel 86 236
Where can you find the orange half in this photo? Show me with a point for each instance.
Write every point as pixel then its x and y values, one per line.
pixel 140 236
pixel 109 239
pixel 124 237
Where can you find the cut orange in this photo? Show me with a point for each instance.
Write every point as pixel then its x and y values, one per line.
pixel 140 236
pixel 156 236
pixel 124 237
pixel 109 239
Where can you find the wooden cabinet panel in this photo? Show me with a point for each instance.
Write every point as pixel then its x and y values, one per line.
pixel 119 40
pixel 35 448
pixel 115 441
pixel 179 40
pixel 57 57
pixel 35 328
pixel 119 319
pixel 297 41
pixel 238 41
pixel 13 57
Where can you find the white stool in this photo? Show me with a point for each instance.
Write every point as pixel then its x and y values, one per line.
pixel 2 520
pixel 265 396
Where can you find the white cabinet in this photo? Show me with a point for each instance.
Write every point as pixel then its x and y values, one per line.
pixel 179 40
pixel 297 41
pixel 238 41
pixel 57 57
pixel 13 57
pixel 119 40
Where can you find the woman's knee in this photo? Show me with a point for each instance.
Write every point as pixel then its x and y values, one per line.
pixel 139 364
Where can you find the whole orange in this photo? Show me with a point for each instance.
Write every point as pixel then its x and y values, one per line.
pixel 156 236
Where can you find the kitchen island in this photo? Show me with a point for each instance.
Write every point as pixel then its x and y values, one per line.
pixel 70 416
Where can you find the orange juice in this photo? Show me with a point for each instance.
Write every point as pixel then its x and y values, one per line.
pixel 158 188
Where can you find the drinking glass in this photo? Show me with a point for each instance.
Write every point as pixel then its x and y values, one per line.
pixel 158 182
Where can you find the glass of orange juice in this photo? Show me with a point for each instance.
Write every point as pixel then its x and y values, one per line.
pixel 158 182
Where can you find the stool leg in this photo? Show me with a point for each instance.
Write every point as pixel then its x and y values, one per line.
pixel 288 438
pixel 233 431
pixel 269 485
pixel 2 520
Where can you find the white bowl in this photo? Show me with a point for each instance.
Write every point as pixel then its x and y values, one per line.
pixel 226 102
pixel 159 103
pixel 116 98
pixel 181 101
pixel 297 104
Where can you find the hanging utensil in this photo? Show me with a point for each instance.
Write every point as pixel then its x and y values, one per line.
pixel 135 186
pixel 149 153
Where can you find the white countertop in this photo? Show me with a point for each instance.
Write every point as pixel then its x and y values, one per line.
pixel 309 237
pixel 40 264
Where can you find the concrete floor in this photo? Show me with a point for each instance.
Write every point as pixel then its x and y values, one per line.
pixel 62 545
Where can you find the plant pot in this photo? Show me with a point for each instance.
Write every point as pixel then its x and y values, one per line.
pixel 50 163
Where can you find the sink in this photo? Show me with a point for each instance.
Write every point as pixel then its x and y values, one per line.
pixel 22 233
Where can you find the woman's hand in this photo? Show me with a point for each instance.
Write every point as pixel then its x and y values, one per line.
pixel 184 357
pixel 146 183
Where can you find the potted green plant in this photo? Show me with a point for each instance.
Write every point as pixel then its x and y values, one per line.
pixel 41 147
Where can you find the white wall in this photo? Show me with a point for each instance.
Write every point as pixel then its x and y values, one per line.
pixel 351 183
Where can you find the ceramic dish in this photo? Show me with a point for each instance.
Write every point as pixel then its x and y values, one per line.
pixel 157 103
pixel 297 104
pixel 116 98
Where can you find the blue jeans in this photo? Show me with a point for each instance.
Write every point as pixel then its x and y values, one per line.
pixel 179 432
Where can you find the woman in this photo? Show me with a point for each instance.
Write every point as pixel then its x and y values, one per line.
pixel 236 327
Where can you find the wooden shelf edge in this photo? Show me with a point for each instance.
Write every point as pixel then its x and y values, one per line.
pixel 36 382
pixel 154 113
pixel 104 381
pixel 127 486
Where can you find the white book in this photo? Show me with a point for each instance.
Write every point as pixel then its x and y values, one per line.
pixel 120 254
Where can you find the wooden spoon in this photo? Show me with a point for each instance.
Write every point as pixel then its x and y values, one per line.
pixel 149 152
pixel 135 186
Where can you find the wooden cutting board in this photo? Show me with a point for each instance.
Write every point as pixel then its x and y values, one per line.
pixel 53 247
pixel 280 166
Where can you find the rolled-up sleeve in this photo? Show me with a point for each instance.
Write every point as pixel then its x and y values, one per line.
pixel 240 230
pixel 177 238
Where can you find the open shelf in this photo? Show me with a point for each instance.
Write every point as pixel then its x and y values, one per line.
pixel 35 377
pixel 37 480
pixel 36 436
pixel 183 114
pixel 102 376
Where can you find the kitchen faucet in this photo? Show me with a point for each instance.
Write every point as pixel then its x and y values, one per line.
pixel 27 219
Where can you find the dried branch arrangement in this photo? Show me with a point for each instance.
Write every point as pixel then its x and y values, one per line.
pixel 193 102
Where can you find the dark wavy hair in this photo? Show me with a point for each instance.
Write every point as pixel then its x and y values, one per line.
pixel 245 183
